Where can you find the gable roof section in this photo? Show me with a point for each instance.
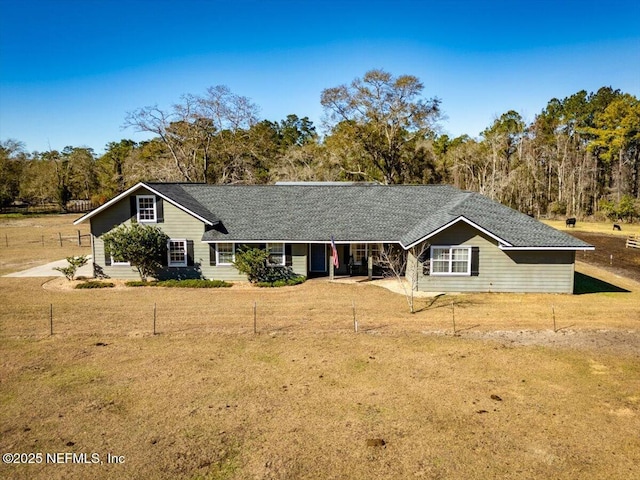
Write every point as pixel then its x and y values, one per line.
pixel 405 214
pixel 170 192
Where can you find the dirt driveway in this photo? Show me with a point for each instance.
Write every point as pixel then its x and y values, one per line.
pixel 610 254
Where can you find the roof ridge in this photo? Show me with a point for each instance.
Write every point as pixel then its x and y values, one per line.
pixel 464 196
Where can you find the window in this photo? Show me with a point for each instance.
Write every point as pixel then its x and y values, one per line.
pixel 276 253
pixel 361 252
pixel 116 263
pixel 177 253
pixel 146 208
pixel 450 260
pixel 225 253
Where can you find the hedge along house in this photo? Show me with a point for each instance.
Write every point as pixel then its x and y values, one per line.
pixel 455 241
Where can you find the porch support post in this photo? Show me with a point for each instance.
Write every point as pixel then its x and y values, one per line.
pixel 331 268
pixel 370 267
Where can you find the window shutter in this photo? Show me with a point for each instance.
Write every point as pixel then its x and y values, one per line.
pixel 190 253
pixel 288 260
pixel 165 256
pixel 475 261
pixel 159 210
pixel 212 254
pixel 133 204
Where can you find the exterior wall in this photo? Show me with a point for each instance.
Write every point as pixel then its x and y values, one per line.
pixel 179 225
pixel 498 270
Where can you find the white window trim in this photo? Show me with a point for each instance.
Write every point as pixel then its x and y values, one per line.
pixel 233 247
pixel 176 264
pixel 115 263
pixel 155 211
pixel 284 256
pixel 450 273
pixel 368 250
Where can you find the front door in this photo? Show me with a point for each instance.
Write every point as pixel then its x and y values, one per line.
pixel 318 257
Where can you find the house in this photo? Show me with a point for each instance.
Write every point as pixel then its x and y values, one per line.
pixel 455 241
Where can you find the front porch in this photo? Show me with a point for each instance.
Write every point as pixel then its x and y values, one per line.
pixel 355 259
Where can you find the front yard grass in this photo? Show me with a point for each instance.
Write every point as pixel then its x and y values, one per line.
pixel 308 398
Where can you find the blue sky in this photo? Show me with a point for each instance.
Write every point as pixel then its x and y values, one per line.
pixel 70 70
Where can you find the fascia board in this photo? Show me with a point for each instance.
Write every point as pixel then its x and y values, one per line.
pixel 133 189
pixel 502 247
pixel 327 242
pixel 461 218
pixel 106 205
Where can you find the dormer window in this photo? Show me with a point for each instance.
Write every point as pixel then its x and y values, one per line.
pixel 146 208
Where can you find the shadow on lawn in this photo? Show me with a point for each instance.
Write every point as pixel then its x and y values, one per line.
pixel 586 284
pixel 443 301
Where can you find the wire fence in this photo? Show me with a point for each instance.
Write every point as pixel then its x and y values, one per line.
pixel 74 206
pixel 258 317
pixel 46 240
pixel 267 316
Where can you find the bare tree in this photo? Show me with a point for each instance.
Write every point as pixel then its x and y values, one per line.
pixel 191 129
pixel 404 265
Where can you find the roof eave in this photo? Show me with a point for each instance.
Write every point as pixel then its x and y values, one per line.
pixel 133 189
pixel 581 248
pixel 462 218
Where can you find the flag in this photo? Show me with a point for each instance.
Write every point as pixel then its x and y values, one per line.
pixel 334 253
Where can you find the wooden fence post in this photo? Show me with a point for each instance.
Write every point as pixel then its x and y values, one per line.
pixel 255 322
pixel 51 319
pixel 60 237
pixel 355 320
pixel 453 316
pixel 154 318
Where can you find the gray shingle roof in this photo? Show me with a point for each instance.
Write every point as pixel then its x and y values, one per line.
pixel 384 213
pixel 177 193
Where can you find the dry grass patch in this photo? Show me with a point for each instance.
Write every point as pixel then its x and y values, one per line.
pixel 27 241
pixel 596 227
pixel 506 397
pixel 300 405
pixel 316 306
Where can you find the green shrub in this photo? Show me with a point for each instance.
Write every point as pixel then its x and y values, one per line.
pixel 194 283
pixel 94 284
pixel 254 262
pixel 140 283
pixel 189 283
pixel 74 263
pixel 297 280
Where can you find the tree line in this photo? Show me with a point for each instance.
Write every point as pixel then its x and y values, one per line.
pixel 580 156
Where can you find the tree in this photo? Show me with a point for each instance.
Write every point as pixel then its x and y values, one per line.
pixel 143 246
pixel 12 162
pixel 404 267
pixel 617 138
pixel 112 166
pixel 386 115
pixel 200 131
